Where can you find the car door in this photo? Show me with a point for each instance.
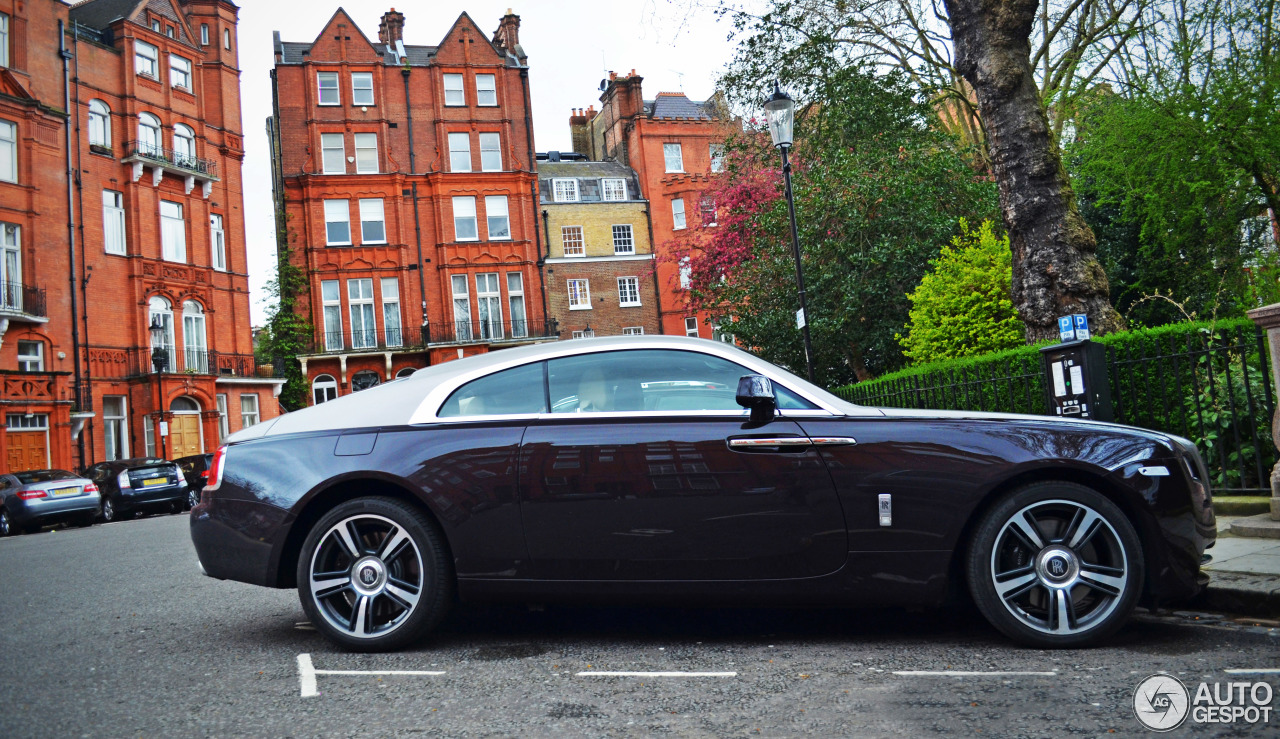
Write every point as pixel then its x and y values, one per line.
pixel 647 469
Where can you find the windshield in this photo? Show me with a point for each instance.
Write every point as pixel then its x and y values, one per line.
pixel 26 478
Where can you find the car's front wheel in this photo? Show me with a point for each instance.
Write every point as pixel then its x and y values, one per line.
pixel 108 511
pixel 6 523
pixel 193 498
pixel 1055 564
pixel 374 574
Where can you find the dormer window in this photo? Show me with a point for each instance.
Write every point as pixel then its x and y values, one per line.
pixel 566 191
pixel 614 189
pixel 155 25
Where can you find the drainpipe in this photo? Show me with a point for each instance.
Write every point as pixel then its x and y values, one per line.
pixel 542 282
pixel 533 186
pixel 417 224
pixel 84 257
pixel 653 251
pixel 71 225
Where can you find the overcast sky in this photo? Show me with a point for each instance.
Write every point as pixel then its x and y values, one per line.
pixel 571 46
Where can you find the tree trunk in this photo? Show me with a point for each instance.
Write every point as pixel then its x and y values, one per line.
pixel 1055 267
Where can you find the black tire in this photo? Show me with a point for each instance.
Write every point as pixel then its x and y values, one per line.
pixel 1066 575
pixel 193 498
pixel 6 524
pixel 108 511
pixel 399 549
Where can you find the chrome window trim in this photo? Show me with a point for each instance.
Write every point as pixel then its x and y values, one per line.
pixel 427 410
pixel 744 415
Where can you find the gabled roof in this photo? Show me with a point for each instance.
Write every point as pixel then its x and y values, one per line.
pixel 677 105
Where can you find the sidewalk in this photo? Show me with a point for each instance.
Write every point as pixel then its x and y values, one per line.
pixel 1244 574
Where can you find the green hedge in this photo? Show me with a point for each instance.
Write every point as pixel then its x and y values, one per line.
pixel 1209 382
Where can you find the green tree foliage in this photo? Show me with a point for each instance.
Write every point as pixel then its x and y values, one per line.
pixel 287 333
pixel 877 188
pixel 962 306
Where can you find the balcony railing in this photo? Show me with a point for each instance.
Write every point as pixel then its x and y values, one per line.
pixel 16 297
pixel 453 332
pixel 170 158
pixel 140 361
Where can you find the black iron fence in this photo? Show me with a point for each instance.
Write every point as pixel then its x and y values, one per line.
pixel 172 157
pixel 139 361
pixel 1212 386
pixel 25 299
pixel 453 332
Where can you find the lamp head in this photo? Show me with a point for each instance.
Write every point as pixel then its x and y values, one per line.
pixel 780 112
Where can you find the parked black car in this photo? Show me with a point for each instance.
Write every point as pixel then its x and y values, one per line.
pixel 194 470
pixel 675 470
pixel 37 498
pixel 143 484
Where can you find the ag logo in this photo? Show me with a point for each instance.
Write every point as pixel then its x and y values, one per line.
pixel 1161 702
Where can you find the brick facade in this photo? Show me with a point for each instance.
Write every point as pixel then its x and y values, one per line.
pixel 156 139
pixel 361 130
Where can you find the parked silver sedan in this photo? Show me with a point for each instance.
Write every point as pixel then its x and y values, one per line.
pixel 29 500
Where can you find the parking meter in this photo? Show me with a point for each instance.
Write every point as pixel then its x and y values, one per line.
pixel 1076 380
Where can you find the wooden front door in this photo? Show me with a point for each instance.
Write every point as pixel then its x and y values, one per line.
pixel 28 450
pixel 184 436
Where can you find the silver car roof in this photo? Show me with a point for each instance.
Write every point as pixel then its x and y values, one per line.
pixel 415 399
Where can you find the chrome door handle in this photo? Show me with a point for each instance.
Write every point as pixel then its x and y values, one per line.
pixel 833 440
pixel 789 442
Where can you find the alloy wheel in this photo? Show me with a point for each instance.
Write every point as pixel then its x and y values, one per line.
pixel 1059 567
pixel 6 526
pixel 108 511
pixel 366 576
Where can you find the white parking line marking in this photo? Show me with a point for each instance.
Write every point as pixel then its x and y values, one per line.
pixel 307 673
pixel 965 673
pixel 1258 671
pixel 613 673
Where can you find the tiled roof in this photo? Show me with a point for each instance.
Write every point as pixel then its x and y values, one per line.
pixel 588 175
pixel 419 56
pixel 99 14
pixel 676 105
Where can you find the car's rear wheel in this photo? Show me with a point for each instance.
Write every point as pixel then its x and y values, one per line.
pixel 6 524
pixel 1055 564
pixel 193 498
pixel 108 512
pixel 373 574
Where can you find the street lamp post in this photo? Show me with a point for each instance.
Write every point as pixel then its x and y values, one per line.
pixel 160 362
pixel 780 112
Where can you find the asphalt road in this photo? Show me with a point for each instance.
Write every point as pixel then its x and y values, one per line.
pixel 113 631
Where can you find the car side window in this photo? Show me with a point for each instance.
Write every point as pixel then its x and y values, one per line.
pixel 650 380
pixel 516 391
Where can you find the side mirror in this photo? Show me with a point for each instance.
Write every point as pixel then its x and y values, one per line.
pixel 755 393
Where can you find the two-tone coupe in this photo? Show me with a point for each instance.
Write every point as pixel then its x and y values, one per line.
pixel 679 471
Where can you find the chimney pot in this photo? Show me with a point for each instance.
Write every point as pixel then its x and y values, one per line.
pixel 391 28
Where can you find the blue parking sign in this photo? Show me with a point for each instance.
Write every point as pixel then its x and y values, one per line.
pixel 1082 326
pixel 1066 329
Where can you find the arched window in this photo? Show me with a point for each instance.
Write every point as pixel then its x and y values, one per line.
pixel 407 371
pixel 324 388
pixel 161 314
pixel 364 379
pixel 184 145
pixel 184 404
pixel 99 124
pixel 149 141
pixel 193 338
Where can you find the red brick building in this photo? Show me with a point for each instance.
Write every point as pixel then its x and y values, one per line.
pixel 405 176
pixel 675 145
pixel 140 99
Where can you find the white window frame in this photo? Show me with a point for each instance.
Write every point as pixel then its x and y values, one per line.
pixel 173 232
pixel 691 326
pixel 11 264
pixel 584 334
pixel 4 40
pixel 150 134
pixel 149 436
pixel 497 215
pixel 454 90
pixel 613 189
pixel 624 239
pixel 28 362
pixel 489 305
pixel 677 214
pixel 218 242
pixel 486 90
pixel 686 273
pixel 115 428
pixel 184 145
pixel 114 238
pixel 490 152
pixel 362 95
pixel 573 235
pixel 373 211
pixel 366 163
pixel 465 226
pixel 335 212
pixel 224 419
pixel 328 89
pixel 226 39
pixel 325 384
pixel 564 190
pixel 99 124
pixel 461 306
pixel 195 344
pixel 204 34
pixel 716 154
pixel 180 72
pixel 392 328
pixel 159 308
pixel 515 305
pixel 249 413
pixel 146 59
pixel 579 294
pixel 673 157
pixel 459 152
pixel 633 330
pixel 332 144
pixel 360 303
pixel 331 313
pixel 628 292
pixel 8 151
pixel 707 205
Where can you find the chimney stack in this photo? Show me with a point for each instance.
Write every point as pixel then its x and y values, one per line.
pixel 391 29
pixel 578 132
pixel 508 34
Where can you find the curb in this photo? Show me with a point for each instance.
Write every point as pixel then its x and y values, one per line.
pixel 1241 505
pixel 1244 593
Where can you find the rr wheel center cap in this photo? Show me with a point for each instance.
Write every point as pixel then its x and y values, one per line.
pixel 369 575
pixel 1057 566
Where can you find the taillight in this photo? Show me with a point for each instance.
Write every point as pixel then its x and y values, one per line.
pixel 123 480
pixel 90 488
pixel 205 474
pixel 213 475
pixel 30 494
